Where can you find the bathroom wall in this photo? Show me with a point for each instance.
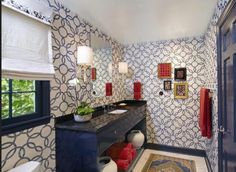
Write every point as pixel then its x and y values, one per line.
pixel 68 31
pixel 170 121
pixel 211 82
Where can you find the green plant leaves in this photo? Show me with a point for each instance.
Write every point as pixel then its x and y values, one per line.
pixel 84 109
pixel 22 102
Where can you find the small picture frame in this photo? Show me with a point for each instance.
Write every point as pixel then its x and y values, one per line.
pixel 180 74
pixel 164 70
pixel 181 90
pixel 167 85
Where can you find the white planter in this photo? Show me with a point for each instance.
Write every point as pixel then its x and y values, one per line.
pixel 106 164
pixel 136 137
pixel 85 118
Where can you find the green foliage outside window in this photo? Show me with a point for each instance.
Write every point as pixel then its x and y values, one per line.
pixel 18 100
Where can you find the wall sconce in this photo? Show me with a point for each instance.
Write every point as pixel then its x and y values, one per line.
pixel 84 58
pixel 123 67
pixel 110 69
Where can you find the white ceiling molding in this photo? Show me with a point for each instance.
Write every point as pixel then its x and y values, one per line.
pixel 133 21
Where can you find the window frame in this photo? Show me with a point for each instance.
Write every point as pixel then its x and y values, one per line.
pixel 39 117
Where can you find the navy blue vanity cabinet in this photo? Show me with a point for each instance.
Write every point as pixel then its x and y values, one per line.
pixel 75 151
pixel 79 144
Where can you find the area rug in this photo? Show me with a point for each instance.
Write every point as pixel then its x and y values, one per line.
pixel 162 163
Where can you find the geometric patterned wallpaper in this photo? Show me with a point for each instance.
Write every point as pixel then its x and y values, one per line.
pixel 170 121
pixel 211 81
pixel 68 31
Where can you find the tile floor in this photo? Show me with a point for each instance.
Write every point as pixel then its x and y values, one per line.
pixel 199 161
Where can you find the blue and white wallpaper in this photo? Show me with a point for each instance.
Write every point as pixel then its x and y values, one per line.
pixel 68 31
pixel 170 121
pixel 211 81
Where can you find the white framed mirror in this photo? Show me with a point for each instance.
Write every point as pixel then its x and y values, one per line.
pixel 102 64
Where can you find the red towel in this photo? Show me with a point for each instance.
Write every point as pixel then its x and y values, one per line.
pixel 122 164
pixel 93 73
pixel 108 89
pixel 205 113
pixel 137 90
pixel 121 151
pixel 122 154
pixel 126 154
pixel 133 152
pixel 128 145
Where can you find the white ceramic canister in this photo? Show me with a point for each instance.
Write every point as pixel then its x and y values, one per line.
pixel 136 137
pixel 106 164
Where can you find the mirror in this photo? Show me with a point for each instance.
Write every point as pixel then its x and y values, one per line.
pixel 102 64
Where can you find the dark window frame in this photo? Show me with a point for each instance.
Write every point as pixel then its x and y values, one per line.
pixel 39 117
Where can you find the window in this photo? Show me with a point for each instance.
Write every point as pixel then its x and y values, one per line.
pixel 18 98
pixel 25 104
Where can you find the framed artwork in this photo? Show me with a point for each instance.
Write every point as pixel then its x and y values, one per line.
pixel 180 74
pixel 164 70
pixel 181 90
pixel 167 85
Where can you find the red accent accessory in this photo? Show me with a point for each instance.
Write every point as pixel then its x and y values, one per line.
pixel 108 89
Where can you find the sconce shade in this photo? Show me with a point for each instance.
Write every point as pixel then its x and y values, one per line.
pixel 109 68
pixel 123 67
pixel 84 55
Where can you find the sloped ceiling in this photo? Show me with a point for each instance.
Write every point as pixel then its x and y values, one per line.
pixel 133 21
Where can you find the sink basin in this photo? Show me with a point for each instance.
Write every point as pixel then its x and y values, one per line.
pixel 118 111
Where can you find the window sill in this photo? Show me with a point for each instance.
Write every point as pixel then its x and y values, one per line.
pixel 19 126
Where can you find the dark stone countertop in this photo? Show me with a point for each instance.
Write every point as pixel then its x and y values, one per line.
pixel 100 118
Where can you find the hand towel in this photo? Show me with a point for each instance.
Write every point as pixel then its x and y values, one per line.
pixel 137 90
pixel 108 89
pixel 93 73
pixel 205 113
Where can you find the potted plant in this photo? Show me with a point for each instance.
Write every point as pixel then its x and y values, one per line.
pixel 83 112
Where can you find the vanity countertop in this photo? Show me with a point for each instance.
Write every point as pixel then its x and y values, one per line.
pixel 100 120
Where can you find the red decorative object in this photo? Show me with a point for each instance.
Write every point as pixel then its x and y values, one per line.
pixel 93 73
pixel 164 70
pixel 205 122
pixel 122 154
pixel 108 89
pixel 122 164
pixel 137 90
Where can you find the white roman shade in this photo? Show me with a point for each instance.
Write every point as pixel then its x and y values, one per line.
pixel 26 47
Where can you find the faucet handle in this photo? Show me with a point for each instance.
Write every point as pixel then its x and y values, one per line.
pixel 104 108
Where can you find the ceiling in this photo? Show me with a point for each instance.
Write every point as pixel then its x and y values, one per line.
pixel 133 21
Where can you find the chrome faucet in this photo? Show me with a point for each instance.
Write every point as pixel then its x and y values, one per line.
pixel 108 107
pixel 104 108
